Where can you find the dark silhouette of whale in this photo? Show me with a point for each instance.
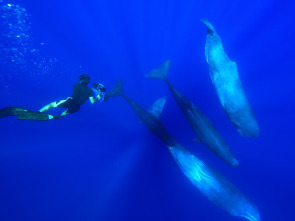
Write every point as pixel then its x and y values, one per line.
pixel 226 80
pixel 210 183
pixel 201 125
pixel 154 125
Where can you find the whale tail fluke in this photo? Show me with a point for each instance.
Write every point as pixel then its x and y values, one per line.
pixel 161 72
pixel 115 91
pixel 208 25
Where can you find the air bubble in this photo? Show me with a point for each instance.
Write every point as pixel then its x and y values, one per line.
pixel 17 47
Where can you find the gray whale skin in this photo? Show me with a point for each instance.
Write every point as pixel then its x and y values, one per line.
pixel 226 80
pixel 211 184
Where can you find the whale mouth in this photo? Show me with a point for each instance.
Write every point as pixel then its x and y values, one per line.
pixel 210 28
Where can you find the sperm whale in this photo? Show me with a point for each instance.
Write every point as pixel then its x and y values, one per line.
pixel 226 80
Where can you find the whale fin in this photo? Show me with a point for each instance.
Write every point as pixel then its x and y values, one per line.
pixel 115 91
pixel 208 25
pixel 157 107
pixel 161 72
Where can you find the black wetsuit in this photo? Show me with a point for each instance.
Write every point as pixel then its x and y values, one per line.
pixel 81 92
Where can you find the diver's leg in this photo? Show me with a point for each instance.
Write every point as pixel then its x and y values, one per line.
pixel 51 117
pixel 65 113
pixel 48 106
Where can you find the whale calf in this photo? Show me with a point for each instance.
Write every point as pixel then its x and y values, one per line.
pixel 201 125
pixel 226 80
pixel 213 185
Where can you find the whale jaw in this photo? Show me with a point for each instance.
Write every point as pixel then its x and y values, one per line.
pixel 210 27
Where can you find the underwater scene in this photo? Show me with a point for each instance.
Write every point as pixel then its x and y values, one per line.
pixel 147 110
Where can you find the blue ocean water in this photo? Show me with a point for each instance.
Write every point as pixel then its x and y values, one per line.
pixel 101 163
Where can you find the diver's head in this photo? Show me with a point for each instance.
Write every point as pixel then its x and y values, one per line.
pixel 84 79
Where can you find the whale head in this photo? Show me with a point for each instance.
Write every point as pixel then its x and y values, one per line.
pixel 245 208
pixel 252 214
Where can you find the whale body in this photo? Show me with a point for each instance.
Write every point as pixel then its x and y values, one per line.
pixel 214 186
pixel 226 80
pixel 201 125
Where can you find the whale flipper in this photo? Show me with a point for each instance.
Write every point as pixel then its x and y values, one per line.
pixel 157 107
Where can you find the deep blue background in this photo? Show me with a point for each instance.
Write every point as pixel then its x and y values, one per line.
pixel 101 163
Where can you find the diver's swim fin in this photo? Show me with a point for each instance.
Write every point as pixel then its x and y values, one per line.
pixel 25 114
pixel 11 111
pixel 39 116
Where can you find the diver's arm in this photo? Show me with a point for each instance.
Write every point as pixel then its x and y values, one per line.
pixel 93 100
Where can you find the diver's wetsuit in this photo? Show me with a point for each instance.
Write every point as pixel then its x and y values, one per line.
pixel 81 93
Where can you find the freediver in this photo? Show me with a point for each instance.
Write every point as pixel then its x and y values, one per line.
pixel 81 92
